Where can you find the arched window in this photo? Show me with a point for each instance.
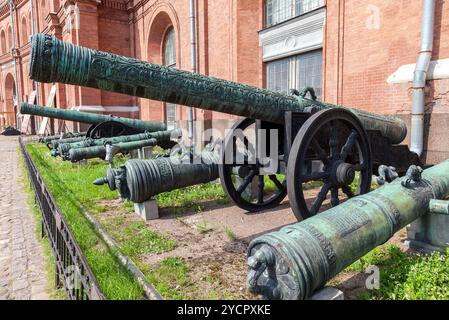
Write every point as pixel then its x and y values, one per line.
pixel 24 39
pixel 10 44
pixel 3 48
pixel 169 58
pixel 169 48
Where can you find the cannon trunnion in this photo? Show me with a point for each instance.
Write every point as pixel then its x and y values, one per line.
pixel 316 144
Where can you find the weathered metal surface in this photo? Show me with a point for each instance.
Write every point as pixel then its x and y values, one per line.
pixel 301 258
pixel 85 117
pixel 139 180
pixel 430 232
pixel 439 207
pixel 54 144
pixel 55 61
pixel 79 154
pixel 48 139
pixel 161 136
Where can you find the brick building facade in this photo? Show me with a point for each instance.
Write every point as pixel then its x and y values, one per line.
pixel 355 52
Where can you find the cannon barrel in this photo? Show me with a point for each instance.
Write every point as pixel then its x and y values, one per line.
pixel 91 118
pixel 139 180
pixel 54 144
pixel 56 61
pixel 79 154
pixel 49 139
pixel 297 260
pixel 162 138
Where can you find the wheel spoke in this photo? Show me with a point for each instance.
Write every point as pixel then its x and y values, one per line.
pixel 260 187
pixel 314 176
pixel 246 182
pixel 333 140
pixel 348 145
pixel 322 155
pixel 320 199
pixel 275 180
pixel 347 190
pixel 334 197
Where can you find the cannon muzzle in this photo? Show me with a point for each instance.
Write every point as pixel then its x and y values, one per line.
pixel 55 61
pixel 91 118
pixel 294 262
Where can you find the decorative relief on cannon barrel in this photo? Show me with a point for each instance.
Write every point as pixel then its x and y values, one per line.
pixel 56 61
pixel 294 262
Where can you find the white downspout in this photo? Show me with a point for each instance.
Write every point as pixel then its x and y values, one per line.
pixel 419 80
pixel 190 116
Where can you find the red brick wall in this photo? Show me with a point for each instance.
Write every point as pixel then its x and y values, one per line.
pixel 360 55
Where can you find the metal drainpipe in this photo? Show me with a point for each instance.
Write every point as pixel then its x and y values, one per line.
pixel 13 40
pixel 190 116
pixel 33 31
pixel 419 80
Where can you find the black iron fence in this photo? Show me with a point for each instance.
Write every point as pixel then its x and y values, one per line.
pixel 72 269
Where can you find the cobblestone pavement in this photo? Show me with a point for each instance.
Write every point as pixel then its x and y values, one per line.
pixel 22 264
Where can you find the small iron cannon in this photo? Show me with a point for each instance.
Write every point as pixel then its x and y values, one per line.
pixel 299 259
pixel 163 139
pixel 103 126
pixel 315 142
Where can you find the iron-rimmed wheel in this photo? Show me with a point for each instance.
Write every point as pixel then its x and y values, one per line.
pixel 337 143
pixel 109 129
pixel 231 171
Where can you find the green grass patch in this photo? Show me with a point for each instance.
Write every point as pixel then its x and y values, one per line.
pixel 406 276
pixel 182 200
pixel 71 185
pixel 171 278
pixel 147 241
pixel 230 234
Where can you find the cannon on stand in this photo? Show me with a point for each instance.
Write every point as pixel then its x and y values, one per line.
pixel 316 141
pixel 163 139
pixel 102 126
pixel 48 140
pixel 293 263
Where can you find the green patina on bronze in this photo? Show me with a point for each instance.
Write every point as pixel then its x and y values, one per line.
pixel 55 143
pixel 79 154
pixel 161 137
pixel 139 180
pixel 91 118
pixel 55 61
pixel 299 259
pixel 50 139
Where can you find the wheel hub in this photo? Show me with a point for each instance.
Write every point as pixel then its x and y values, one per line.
pixel 343 173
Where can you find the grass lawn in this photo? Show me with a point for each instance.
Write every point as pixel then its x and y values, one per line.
pixel 71 186
pixel 405 276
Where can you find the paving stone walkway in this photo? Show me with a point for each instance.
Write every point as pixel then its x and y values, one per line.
pixel 22 264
